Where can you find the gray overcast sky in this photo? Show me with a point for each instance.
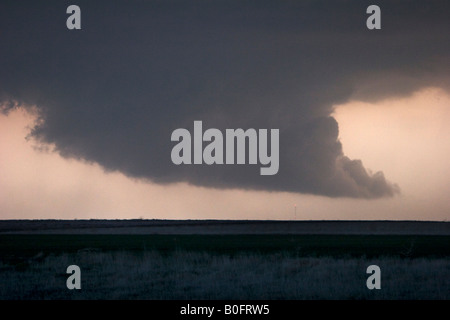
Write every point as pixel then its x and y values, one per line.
pixel 113 92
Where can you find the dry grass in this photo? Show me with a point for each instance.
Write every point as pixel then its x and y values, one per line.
pixel 190 275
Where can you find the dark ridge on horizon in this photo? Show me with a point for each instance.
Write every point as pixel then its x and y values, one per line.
pixel 211 226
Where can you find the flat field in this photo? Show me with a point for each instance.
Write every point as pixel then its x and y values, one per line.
pixel 157 263
pixel 21 247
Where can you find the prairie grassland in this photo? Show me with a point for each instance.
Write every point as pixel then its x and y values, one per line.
pixel 195 275
pixel 19 246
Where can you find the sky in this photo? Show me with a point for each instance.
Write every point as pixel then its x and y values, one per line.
pixel 363 115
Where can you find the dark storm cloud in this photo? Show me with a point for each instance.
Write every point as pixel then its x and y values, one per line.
pixel 113 92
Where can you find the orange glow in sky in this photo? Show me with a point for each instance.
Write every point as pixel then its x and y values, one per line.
pixel 406 138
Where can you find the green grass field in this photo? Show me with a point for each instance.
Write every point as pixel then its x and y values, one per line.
pixel 17 247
